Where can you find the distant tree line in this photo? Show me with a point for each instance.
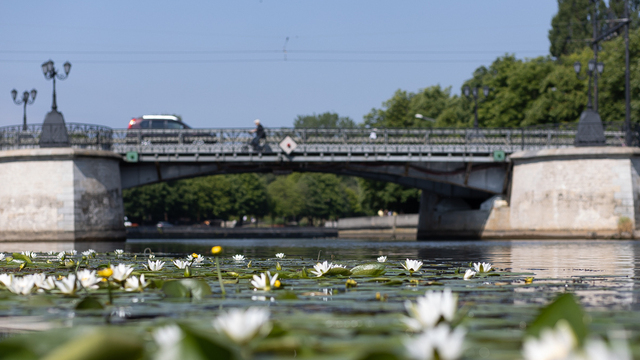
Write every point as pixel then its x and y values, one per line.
pixel 523 92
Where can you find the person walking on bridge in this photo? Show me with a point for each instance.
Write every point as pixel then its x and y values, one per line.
pixel 260 134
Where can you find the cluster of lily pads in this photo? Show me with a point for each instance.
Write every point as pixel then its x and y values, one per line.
pixel 428 326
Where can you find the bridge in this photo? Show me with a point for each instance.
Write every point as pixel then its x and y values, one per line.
pixel 446 163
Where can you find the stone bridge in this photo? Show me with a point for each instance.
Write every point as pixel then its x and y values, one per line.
pixel 468 164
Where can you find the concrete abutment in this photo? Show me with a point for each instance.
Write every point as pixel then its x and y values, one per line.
pixel 60 194
pixel 589 192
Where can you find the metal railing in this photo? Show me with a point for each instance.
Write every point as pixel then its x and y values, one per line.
pixel 85 136
pixel 508 139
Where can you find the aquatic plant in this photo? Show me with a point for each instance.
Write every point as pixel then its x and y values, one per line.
pixel 242 326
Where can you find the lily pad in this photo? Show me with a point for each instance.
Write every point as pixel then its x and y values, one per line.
pixel 337 271
pixel 564 307
pixel 371 269
pixel 186 288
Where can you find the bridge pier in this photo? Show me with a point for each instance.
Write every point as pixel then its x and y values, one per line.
pixel 60 194
pixel 581 193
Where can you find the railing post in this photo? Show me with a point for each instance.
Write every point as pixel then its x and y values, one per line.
pixel 522 130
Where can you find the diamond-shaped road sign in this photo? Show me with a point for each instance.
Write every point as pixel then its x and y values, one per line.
pixel 288 145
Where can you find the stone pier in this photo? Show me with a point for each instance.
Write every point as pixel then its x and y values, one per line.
pixel 589 192
pixel 60 194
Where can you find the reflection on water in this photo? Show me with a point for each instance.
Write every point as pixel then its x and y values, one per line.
pixel 607 267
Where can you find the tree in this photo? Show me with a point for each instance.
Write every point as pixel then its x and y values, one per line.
pixel 327 120
pixel 379 195
pixel 249 194
pixel 287 199
pixel 400 111
pixel 572 27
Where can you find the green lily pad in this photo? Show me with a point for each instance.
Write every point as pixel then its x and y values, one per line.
pixel 564 307
pixel 371 269
pixel 186 288
pixel 21 257
pixel 337 271
pixel 89 303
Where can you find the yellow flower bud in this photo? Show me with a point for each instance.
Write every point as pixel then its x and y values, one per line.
pixel 351 283
pixel 277 284
pixel 196 255
pixel 106 272
pixel 216 250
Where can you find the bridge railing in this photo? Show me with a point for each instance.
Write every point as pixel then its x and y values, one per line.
pixel 102 137
pixel 85 136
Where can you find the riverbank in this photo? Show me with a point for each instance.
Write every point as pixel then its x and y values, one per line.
pixel 208 232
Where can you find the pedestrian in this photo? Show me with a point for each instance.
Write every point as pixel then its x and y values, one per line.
pixel 373 136
pixel 260 134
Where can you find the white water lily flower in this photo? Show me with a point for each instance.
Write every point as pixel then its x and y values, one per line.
pixel 557 343
pixel 44 282
pixel 72 252
pixel 89 252
pixel 238 257
pixel 61 255
pixel 1 256
pixel 382 259
pixel 118 251
pixel 482 267
pixel 195 259
pixel 68 285
pixel 618 349
pixel 22 285
pixel 154 265
pixel 320 269
pixel 241 326
pixel 412 265
pixel 430 308
pixel 448 344
pixel 280 255
pixel 121 272
pixel 264 282
pixel 6 279
pixel 29 254
pixel 135 284
pixel 168 337
pixel 88 279
pixel 180 264
pixel 469 274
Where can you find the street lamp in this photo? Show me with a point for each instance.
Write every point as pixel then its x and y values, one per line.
pixel 25 100
pixel 54 131
pixel 592 66
pixel 473 92
pixel 590 130
pixel 50 72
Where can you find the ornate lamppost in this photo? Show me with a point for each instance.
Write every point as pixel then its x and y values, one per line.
pixel 24 101
pixel 590 130
pixel 54 131
pixel 469 92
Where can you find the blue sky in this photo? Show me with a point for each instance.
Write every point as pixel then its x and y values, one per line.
pixel 222 63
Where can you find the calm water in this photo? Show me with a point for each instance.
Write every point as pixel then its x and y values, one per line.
pixel 602 274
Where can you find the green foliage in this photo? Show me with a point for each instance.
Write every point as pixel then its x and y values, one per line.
pixel 572 29
pixel 564 307
pixel 371 269
pixel 327 120
pixel 186 288
pixel 378 195
pixel 400 111
pixel 77 343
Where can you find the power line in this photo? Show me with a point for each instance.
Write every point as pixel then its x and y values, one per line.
pixel 209 52
pixel 209 61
